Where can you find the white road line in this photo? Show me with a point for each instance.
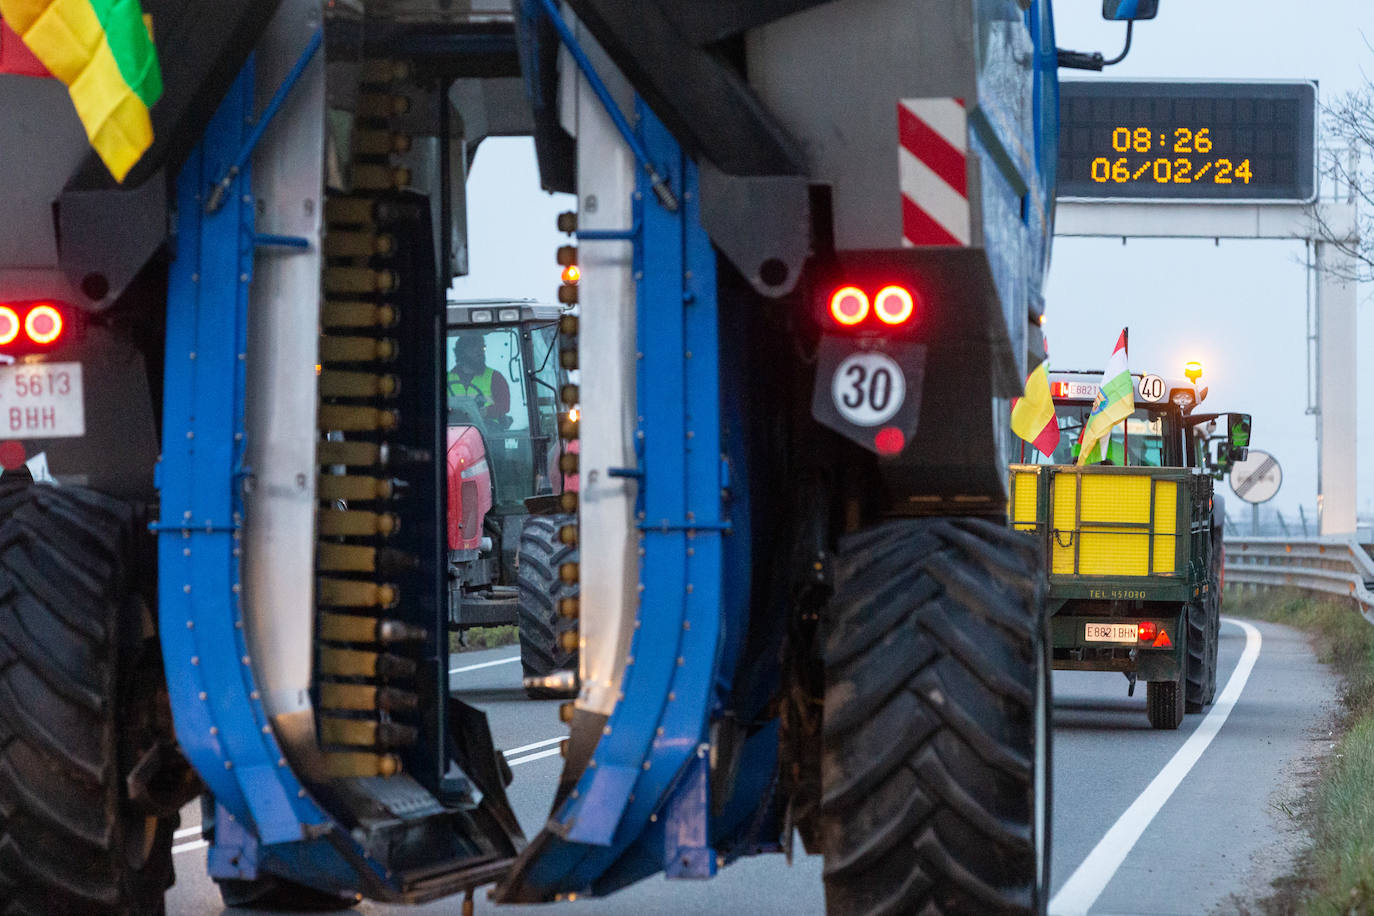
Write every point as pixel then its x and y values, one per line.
pixel 189 847
pixel 186 831
pixel 539 756
pixel 529 747
pixel 499 661
pixel 1088 881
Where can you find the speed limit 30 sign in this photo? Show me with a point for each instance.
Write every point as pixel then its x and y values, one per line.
pixel 869 390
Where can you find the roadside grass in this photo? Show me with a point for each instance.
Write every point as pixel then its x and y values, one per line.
pixel 1336 875
pixel 485 638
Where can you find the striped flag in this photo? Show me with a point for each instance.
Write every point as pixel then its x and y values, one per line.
pixel 1115 402
pixel 1032 416
pixel 103 51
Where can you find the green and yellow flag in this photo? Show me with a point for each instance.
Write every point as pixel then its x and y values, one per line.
pixel 103 51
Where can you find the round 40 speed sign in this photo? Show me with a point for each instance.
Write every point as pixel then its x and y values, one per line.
pixel 868 388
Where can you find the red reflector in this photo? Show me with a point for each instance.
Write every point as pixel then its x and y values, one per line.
pixel 43 324
pixel 12 455
pixel 1147 630
pixel 849 305
pixel 9 325
pixel 1162 641
pixel 889 441
pixel 894 304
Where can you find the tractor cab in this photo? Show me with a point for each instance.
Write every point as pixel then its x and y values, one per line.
pixel 1156 434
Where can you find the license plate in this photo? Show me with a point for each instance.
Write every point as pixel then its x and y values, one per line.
pixel 1110 632
pixel 41 401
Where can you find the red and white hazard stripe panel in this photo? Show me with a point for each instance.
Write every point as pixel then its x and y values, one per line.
pixel 933 134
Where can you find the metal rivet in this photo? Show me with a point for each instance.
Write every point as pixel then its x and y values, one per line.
pixel 214 729
pixel 195 659
pixel 190 624
pixel 228 764
pixel 253 696
pixel 281 761
pixel 186 589
pixel 680 661
pixel 646 766
pixel 203 695
pixel 672 695
pixel 246 660
pixel 300 793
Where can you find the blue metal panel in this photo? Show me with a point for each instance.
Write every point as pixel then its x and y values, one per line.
pixel 220 720
pixel 650 769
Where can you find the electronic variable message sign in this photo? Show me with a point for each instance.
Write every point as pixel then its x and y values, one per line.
pixel 1249 142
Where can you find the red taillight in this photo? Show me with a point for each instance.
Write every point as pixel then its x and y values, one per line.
pixel 9 325
pixel 1146 631
pixel 43 324
pixel 849 305
pixel 894 304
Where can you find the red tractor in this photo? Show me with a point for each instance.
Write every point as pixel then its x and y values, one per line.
pixel 510 542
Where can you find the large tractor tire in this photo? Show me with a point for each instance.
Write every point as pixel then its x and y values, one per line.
pixel 542 589
pixel 1202 656
pixel 935 765
pixel 82 704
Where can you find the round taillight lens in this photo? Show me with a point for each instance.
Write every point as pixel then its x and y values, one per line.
pixel 849 305
pixel 894 305
pixel 9 325
pixel 43 324
pixel 1147 630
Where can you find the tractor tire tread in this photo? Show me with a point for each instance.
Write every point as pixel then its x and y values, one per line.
pixel 929 727
pixel 541 589
pixel 64 847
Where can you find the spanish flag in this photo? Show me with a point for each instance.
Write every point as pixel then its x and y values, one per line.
pixel 103 51
pixel 1032 416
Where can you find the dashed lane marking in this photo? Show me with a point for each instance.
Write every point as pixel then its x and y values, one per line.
pixel 499 661
pixel 1091 877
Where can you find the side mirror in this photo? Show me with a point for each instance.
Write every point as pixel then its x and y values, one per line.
pixel 1238 434
pixel 1129 10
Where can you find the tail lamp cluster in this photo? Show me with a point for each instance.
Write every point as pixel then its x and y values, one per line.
pixel 893 305
pixel 37 323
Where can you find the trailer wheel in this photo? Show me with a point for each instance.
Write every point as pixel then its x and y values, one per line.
pixel 1164 703
pixel 1201 652
pixel 541 588
pixel 82 704
pixel 935 762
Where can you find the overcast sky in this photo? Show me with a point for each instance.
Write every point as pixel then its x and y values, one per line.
pixel 1238 306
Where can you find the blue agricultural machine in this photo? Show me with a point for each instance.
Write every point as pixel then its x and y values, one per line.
pixel 811 236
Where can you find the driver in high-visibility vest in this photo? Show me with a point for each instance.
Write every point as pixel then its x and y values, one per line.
pixel 471 377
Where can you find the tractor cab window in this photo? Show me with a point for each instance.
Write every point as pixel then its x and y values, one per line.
pixel 1149 438
pixel 487 390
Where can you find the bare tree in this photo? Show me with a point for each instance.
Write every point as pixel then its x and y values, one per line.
pixel 1346 155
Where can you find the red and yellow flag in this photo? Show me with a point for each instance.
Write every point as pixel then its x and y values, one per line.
pixel 103 51
pixel 1032 416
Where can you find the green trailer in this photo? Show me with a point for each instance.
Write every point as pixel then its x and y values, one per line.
pixel 1133 545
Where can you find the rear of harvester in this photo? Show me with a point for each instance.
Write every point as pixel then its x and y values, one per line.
pixel 810 238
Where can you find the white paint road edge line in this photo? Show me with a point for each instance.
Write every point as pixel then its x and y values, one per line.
pixel 1090 879
pixel 499 661
pixel 201 844
pixel 530 747
pixel 539 756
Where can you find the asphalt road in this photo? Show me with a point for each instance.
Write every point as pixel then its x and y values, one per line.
pixel 1144 821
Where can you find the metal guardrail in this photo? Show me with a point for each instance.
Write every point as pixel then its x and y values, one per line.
pixel 1339 567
